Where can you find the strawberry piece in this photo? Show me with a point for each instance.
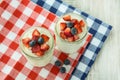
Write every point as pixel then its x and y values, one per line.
pixel 35 38
pixel 82 24
pixel 76 37
pixel 44 47
pixel 36 33
pixel 63 35
pixel 35 48
pixel 62 26
pixel 67 32
pixel 39 53
pixel 70 39
pixel 45 37
pixel 74 21
pixel 26 42
pixel 67 18
pixel 79 29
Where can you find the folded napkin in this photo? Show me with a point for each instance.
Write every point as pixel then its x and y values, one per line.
pixel 98 28
pixel 15 17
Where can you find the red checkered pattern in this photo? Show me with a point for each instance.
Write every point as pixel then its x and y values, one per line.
pixel 15 17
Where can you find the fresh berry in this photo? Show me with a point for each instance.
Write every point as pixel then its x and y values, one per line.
pixel 40 40
pixel 39 53
pixel 67 18
pixel 67 32
pixel 74 21
pixel 45 37
pixel 35 33
pixel 76 37
pixel 79 29
pixel 32 43
pixel 26 41
pixel 63 35
pixel 44 47
pixel 74 31
pixel 62 26
pixel 82 24
pixel 35 48
pixel 58 63
pixel 35 38
pixel 69 24
pixel 62 69
pixel 66 61
pixel 70 39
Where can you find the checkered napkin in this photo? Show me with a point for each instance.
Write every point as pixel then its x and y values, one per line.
pixel 98 28
pixel 15 17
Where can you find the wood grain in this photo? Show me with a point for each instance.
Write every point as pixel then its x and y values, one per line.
pixel 107 64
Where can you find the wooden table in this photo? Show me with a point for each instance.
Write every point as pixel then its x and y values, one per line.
pixel 107 64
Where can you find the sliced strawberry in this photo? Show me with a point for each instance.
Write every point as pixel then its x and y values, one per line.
pixel 45 37
pixel 35 38
pixel 36 48
pixel 26 42
pixel 44 47
pixel 82 24
pixel 63 35
pixel 39 53
pixel 62 26
pixel 67 18
pixel 76 37
pixel 70 39
pixel 67 32
pixel 79 29
pixel 75 21
pixel 36 33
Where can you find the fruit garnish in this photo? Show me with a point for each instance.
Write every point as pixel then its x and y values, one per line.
pixel 70 24
pixel 26 41
pixel 45 37
pixel 74 31
pixel 76 37
pixel 63 35
pixel 79 29
pixel 67 32
pixel 35 48
pixel 36 33
pixel 40 40
pixel 39 53
pixel 44 47
pixel 70 39
pixel 67 18
pixel 32 43
pixel 66 61
pixel 74 21
pixel 62 69
pixel 82 24
pixel 62 26
pixel 35 38
pixel 58 63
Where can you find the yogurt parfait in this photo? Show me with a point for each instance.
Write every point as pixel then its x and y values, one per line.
pixel 37 45
pixel 70 31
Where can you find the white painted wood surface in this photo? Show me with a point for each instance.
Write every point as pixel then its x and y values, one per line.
pixel 107 64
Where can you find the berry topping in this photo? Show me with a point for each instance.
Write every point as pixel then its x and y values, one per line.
pixel 63 35
pixel 44 47
pixel 66 61
pixel 40 40
pixel 67 32
pixel 35 38
pixel 26 41
pixel 82 24
pixel 62 26
pixel 32 43
pixel 62 69
pixel 35 33
pixel 79 29
pixel 67 18
pixel 70 24
pixel 39 53
pixel 70 39
pixel 45 37
pixel 35 48
pixel 58 63
pixel 74 21
pixel 76 37
pixel 74 31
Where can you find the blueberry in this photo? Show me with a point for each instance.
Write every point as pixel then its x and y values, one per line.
pixel 40 40
pixel 74 31
pixel 32 43
pixel 62 69
pixel 70 24
pixel 67 62
pixel 58 63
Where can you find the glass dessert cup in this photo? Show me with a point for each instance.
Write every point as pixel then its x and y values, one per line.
pixel 67 46
pixel 36 60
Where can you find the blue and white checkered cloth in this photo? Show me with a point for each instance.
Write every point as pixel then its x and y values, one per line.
pixel 99 29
